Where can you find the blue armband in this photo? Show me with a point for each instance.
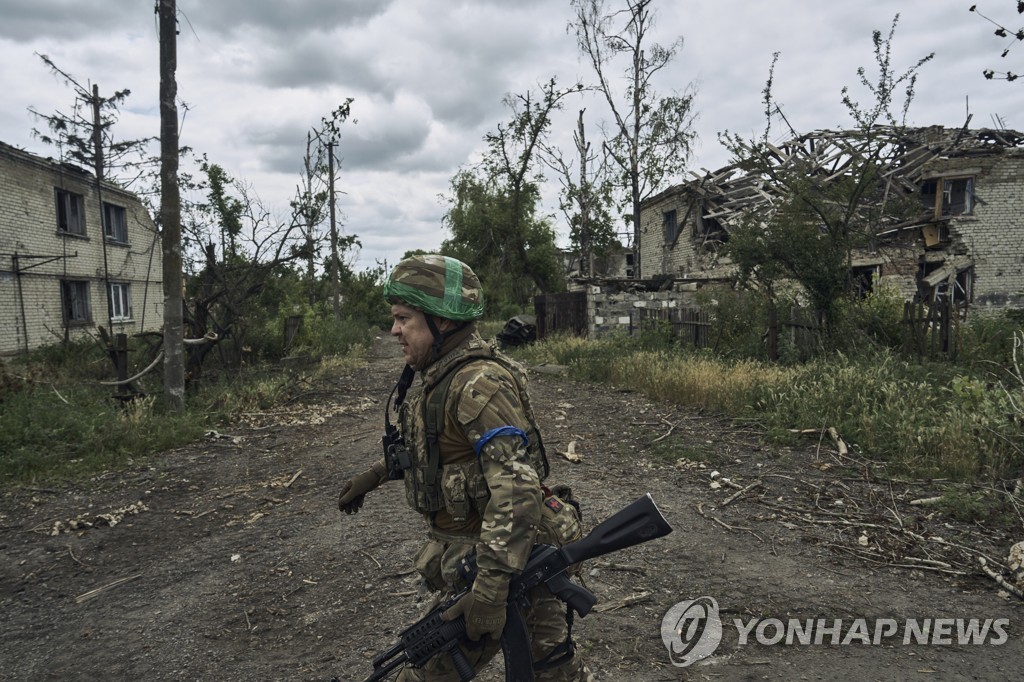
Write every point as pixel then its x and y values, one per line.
pixel 500 431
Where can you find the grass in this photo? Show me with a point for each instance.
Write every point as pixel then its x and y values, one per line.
pixel 928 420
pixel 57 422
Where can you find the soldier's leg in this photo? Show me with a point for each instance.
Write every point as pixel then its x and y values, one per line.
pixel 548 632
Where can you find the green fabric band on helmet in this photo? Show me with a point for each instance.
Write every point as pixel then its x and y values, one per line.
pixel 452 284
pixel 437 285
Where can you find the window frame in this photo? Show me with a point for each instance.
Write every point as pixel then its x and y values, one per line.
pixel 74 302
pixel 943 188
pixel 69 203
pixel 670 226
pixel 119 296
pixel 117 233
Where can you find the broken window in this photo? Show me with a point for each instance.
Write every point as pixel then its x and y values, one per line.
pixel 862 279
pixel 115 223
pixel 70 212
pixel 120 299
pixel 955 198
pixel 671 226
pixel 74 295
pixel 952 279
pixel 708 229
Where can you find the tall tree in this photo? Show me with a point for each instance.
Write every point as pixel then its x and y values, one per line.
pixel 651 137
pixel 170 210
pixel 493 215
pixel 1013 36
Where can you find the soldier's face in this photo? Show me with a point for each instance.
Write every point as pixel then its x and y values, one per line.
pixel 409 326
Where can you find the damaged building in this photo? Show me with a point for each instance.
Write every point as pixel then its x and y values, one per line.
pixel 965 240
pixel 74 255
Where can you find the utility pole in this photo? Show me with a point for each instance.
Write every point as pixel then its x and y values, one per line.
pixel 170 210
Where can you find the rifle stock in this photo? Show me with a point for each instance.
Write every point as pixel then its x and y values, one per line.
pixel 639 522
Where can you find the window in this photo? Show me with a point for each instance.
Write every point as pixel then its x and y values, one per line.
pixel 671 227
pixel 956 197
pixel 940 280
pixel 862 279
pixel 708 229
pixel 74 297
pixel 120 302
pixel 115 225
pixel 70 212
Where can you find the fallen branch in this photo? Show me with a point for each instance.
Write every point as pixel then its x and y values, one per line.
pixel 86 596
pixel 1000 580
pixel 735 496
pixel 621 603
pixel 840 444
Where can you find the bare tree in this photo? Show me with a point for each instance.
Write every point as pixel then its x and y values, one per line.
pixel 585 199
pixel 652 136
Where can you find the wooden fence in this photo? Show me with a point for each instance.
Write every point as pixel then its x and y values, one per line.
pixel 565 313
pixel 930 331
pixel 692 326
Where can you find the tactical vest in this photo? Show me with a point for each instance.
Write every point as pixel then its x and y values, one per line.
pixel 423 482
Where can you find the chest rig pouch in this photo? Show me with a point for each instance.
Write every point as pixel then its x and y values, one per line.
pixel 460 486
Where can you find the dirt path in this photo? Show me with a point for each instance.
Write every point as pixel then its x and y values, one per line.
pixel 228 559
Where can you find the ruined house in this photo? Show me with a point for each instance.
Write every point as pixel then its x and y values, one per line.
pixel 965 243
pixel 73 256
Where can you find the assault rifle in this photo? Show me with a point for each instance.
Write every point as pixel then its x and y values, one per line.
pixel 639 522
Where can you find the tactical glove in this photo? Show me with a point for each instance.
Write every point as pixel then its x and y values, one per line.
pixel 354 491
pixel 482 617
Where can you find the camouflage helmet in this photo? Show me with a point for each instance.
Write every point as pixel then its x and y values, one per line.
pixel 438 285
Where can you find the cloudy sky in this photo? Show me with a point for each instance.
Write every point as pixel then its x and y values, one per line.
pixel 428 78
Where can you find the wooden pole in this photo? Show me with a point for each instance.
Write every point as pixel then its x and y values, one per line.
pixel 170 211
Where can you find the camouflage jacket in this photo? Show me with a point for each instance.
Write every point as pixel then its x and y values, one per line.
pixel 493 496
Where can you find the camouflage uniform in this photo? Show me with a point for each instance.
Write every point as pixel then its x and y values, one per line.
pixel 491 503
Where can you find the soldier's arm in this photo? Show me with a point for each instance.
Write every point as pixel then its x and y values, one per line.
pixel 491 415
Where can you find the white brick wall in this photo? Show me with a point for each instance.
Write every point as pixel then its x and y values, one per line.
pixel 30 304
pixel 993 235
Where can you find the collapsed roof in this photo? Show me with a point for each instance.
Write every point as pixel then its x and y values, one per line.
pixel 903 157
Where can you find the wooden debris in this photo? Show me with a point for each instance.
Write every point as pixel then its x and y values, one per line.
pixel 1000 580
pixel 92 594
pixel 571 454
pixel 735 496
pixel 622 603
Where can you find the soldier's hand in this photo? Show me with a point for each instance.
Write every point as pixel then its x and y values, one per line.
pixel 482 617
pixel 354 491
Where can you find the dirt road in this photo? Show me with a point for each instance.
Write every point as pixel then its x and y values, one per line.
pixel 228 559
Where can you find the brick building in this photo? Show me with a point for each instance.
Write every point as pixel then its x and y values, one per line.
pixel 967 243
pixel 72 258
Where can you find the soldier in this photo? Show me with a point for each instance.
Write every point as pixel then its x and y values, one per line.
pixel 477 482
